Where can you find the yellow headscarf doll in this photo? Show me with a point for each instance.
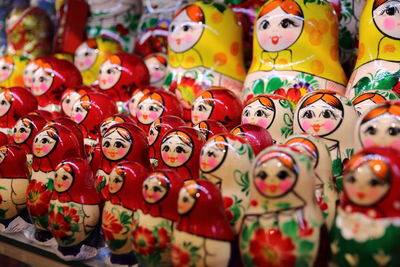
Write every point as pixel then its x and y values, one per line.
pixel 295 47
pixel 91 54
pixel 378 62
pixel 12 70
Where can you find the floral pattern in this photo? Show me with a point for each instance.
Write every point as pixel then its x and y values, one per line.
pixel 187 90
pixel 116 224
pixel 382 80
pixel 186 255
pixel 143 241
pixel 64 222
pixel 38 200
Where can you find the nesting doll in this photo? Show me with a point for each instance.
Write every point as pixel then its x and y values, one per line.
pixel 160 192
pixel 377 65
pixel 122 209
pixel 370 98
pixel 282 225
pixel 325 192
pixel 74 210
pixel 219 160
pixel 89 111
pixel 156 133
pixel 332 117
pixel 366 230
pixel 91 54
pixel 112 120
pixel 218 104
pixel 51 145
pixel 15 102
pixel 14 182
pixel 11 70
pixel 256 136
pixel 29 32
pixel 180 151
pixel 155 104
pixel 70 96
pixel 209 128
pixel 25 131
pixel 157 66
pixel 202 227
pixel 193 62
pixel 29 70
pixel 120 75
pixel 136 96
pixel 295 47
pixel 272 112
pixel 379 126
pixel 50 79
pixel 122 141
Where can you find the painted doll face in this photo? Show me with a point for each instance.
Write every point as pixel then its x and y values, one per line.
pixel 387 18
pixel 363 106
pixel 212 155
pixel 28 74
pixel 184 33
pixel 68 102
pixel 42 82
pixel 201 110
pixel 278 30
pixel 382 131
pixel 156 69
pixel 62 180
pixel 5 105
pixel 273 179
pixel 116 182
pixel 6 70
pixel 133 103
pixel 154 190
pixel 185 200
pixel 175 152
pixel 115 146
pixel 109 75
pixel 258 114
pixel 320 118
pixel 364 187
pixel 78 113
pixel 153 132
pixel 21 132
pixel 148 111
pixel 43 144
pixel 85 57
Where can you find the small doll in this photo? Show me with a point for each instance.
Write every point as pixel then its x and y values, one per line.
pixel 70 96
pixel 209 128
pixel 136 96
pixel 157 66
pixel 11 70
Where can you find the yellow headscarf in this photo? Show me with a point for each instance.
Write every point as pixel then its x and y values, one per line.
pixel 18 64
pixel 220 46
pixel 316 49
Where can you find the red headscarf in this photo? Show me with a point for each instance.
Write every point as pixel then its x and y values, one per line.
pixel 209 128
pixel 14 164
pixel 256 136
pixel 36 123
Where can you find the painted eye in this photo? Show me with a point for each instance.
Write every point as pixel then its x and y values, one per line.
pixel 261 113
pixel 110 71
pixel 15 130
pixel 156 189
pixel 106 144
pixel 393 131
pixel 45 141
pixel 151 132
pixel 391 10
pixel 371 130
pixel 262 175
pixel 100 71
pixel 68 101
pixel 211 154
pixel 165 148
pixel 264 24
pixel 180 149
pixel 87 54
pixel 282 175
pixel 186 28
pixel 152 108
pixel 246 113
pixel 78 110
pixel 351 179
pixel 286 23
pixel 117 180
pixel 22 130
pixel 5 67
pixel 119 144
pixel 3 102
pixel 308 114
pixel 374 182
pixel 172 28
pixel 42 79
pixel 146 187
pixel 185 199
pixel 64 177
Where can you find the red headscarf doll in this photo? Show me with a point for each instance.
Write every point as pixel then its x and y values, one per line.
pixel 209 128
pixel 256 136
pixel 26 129
pixel 70 96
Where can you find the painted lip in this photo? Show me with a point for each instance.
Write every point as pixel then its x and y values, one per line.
pixel 38 149
pixel 204 164
pixel 316 127
pixel 275 39
pixel 144 116
pixel 178 41
pixel 172 159
pixel 361 195
pixel 273 188
pixel 112 154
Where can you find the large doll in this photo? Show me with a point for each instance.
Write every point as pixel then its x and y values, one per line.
pixel 295 46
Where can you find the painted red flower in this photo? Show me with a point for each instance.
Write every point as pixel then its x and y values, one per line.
pixel 163 238
pixel 121 30
pixel 305 230
pixel 228 202
pixel 186 91
pixel 110 225
pixel 58 225
pixel 179 257
pixel 270 248
pixel 70 214
pixel 38 198
pixel 292 94
pixel 396 88
pixel 322 204
pixel 143 241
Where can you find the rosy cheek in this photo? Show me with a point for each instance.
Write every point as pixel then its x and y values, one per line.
pixel 121 151
pixel 182 158
pixel 368 142
pixel 153 115
pixel 264 38
pixel 203 117
pixel 106 151
pixel 157 74
pixel 110 79
pixel 285 185
pixel 396 144
pixel 306 125
pixel 351 189
pixel 46 149
pixel 244 121
pixel 329 125
pixel 43 87
pixel 188 38
pixel 156 196
pixel 164 155
pixel 3 109
pixel 4 75
pixel 262 122
pixel 65 183
pixel 389 24
pixel 138 113
pixel 145 195
pixel 212 162
pixel 88 61
pixel 374 193
pixel 24 136
pixel 261 185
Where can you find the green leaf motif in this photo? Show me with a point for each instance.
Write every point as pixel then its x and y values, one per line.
pixel 3 213
pixel 305 246
pixel 291 229
pixel 125 218
pixel 283 205
pixel 258 87
pixel 50 184
pixel 168 79
pixel 337 167
pixel 75 227
pixel 273 85
pixel 116 243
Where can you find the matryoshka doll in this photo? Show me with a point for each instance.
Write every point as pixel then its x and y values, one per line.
pixel 91 54
pixel 89 111
pixel 51 145
pixel 70 96
pixel 209 128
pixel 218 104
pixel 192 62
pixel 157 66
pixel 121 142
pixel 28 73
pixel 15 102
pixel 14 180
pixel 136 96
pixel 155 104
pixel 377 65
pixel 325 192
pixel 219 160
pixel 25 131
pixel 120 75
pixel 273 112
pixel 122 209
pixel 295 47
pixel 74 211
pixel 366 230
pixel 51 78
pixel 332 117
pixel 202 227
pixel 180 150
pixel 283 223
pixel 160 192
pixel 379 126
pixel 112 120
pixel 256 136
pixel 370 98
pixel 11 70
pixel 156 132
